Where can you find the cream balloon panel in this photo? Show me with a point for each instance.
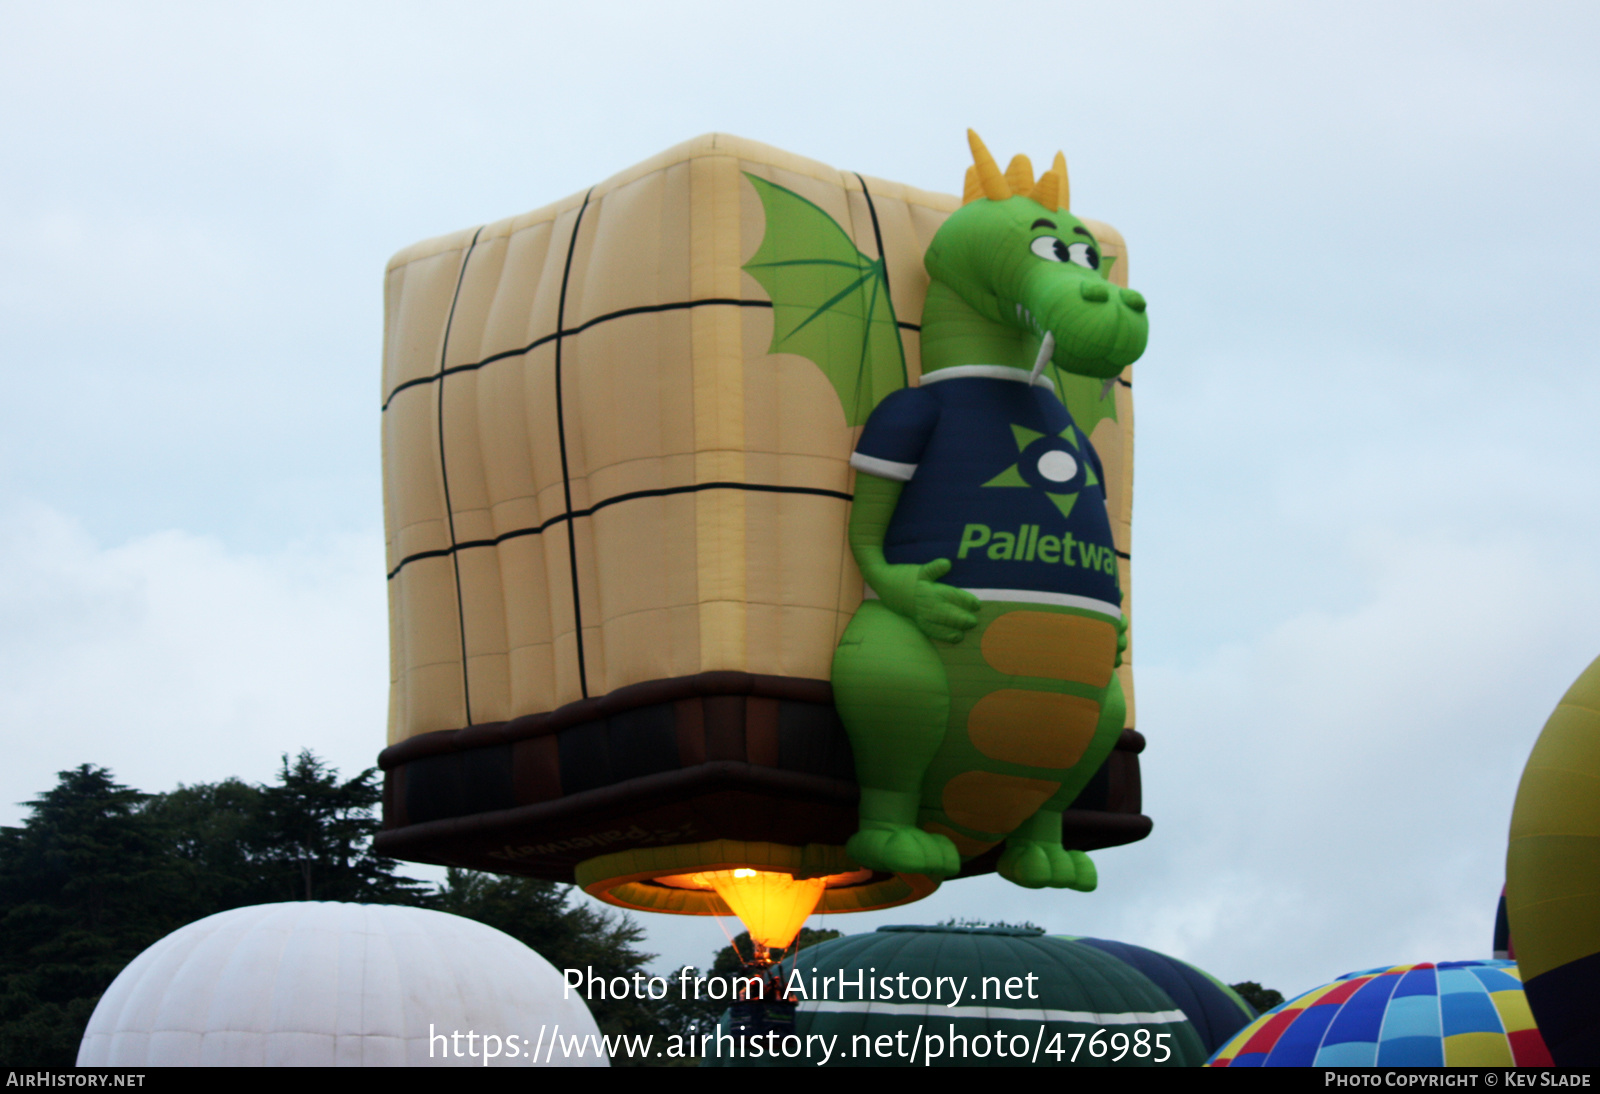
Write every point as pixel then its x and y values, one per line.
pixel 666 389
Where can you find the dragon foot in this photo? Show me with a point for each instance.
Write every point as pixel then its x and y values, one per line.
pixel 1036 864
pixel 903 849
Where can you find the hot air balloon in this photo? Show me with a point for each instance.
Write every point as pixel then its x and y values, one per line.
pixel 1449 1014
pixel 618 434
pixel 311 984
pixel 1072 1002
pixel 1214 1009
pixel 1553 876
pixel 1504 948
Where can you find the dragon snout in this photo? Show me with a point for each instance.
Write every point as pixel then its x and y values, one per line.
pixel 1098 292
pixel 1099 328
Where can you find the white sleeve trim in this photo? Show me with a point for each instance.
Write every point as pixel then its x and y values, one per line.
pixel 884 469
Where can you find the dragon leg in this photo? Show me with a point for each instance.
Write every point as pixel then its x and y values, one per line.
pixel 1034 857
pixel 891 692
pixel 1034 710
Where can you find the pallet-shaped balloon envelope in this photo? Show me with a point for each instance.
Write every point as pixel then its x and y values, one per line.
pixel 617 434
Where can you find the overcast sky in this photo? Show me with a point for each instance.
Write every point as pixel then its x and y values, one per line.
pixel 1366 519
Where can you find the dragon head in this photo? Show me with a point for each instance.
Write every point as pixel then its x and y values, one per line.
pixel 1015 256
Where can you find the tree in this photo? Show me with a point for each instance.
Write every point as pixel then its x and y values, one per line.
pixel 207 830
pixel 313 835
pixel 101 871
pixel 1025 925
pixel 85 885
pixel 1263 999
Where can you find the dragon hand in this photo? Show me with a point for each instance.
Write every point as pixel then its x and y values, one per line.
pixel 940 611
pixel 1122 639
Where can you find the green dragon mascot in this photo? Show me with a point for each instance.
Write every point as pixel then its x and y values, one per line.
pixel 976 681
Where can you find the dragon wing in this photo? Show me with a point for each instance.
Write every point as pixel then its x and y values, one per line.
pixel 830 302
pixel 1089 399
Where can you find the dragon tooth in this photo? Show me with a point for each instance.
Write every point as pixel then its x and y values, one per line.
pixel 1047 349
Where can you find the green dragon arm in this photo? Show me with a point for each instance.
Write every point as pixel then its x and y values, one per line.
pixel 874 504
pixel 940 611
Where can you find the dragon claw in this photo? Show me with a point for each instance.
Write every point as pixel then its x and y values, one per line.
pixel 902 849
pixel 1036 864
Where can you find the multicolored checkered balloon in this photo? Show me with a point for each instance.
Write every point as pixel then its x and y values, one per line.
pixel 1450 1014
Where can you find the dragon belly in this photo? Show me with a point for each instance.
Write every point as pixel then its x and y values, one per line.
pixel 1034 710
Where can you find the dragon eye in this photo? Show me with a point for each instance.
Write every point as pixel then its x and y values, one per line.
pixel 1051 248
pixel 1083 255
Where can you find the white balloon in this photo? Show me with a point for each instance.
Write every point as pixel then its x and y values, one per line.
pixel 323 984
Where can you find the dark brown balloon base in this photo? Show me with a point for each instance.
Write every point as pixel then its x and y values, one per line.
pixel 716 756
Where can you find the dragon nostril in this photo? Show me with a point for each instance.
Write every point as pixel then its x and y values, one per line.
pixel 1133 300
pixel 1094 291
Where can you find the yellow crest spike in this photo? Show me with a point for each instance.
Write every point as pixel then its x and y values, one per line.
pixel 995 187
pixel 974 189
pixel 1048 191
pixel 1060 168
pixel 1019 174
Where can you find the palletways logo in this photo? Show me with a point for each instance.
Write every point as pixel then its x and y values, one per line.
pixel 1054 465
pixel 1025 544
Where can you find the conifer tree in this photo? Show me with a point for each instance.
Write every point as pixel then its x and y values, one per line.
pixel 312 834
pixel 85 885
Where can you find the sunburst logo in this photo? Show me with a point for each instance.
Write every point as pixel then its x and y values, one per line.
pixel 1054 465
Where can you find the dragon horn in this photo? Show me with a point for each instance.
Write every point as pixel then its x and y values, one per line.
pixel 974 189
pixel 995 187
pixel 1060 168
pixel 1019 174
pixel 1048 190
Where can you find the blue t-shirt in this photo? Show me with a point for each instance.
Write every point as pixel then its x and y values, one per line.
pixel 1000 481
